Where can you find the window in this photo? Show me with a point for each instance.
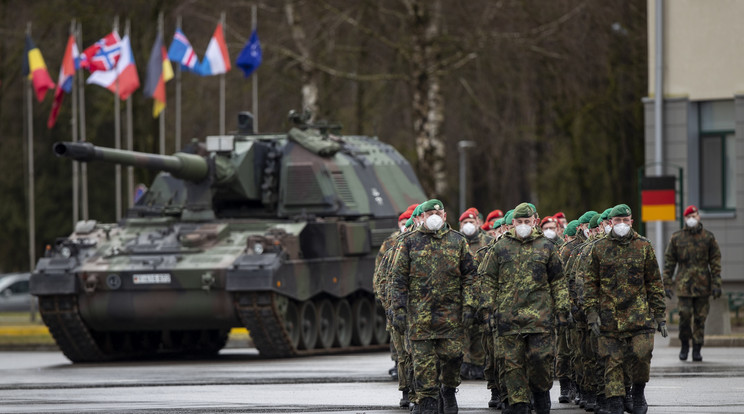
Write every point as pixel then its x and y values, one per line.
pixel 717 151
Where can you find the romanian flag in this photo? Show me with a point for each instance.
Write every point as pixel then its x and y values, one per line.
pixel 658 198
pixel 159 71
pixel 36 70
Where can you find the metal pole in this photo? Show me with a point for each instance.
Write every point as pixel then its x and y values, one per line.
pixel 130 147
pixel 117 131
pixel 162 113
pixel 658 115
pixel 461 146
pixel 75 164
pixel 31 199
pixel 222 84
pixel 83 137
pixel 178 98
pixel 254 88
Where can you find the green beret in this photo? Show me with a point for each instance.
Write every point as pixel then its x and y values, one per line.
pixel 620 210
pixel 432 204
pixel 533 207
pixel 605 214
pixel 594 222
pixel 416 211
pixel 508 217
pixel 571 228
pixel 584 219
pixel 523 210
pixel 497 223
pixel 409 223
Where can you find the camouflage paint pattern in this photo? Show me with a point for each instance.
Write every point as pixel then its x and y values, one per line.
pixel 435 362
pixel 616 351
pixel 695 254
pixel 693 311
pixel 528 365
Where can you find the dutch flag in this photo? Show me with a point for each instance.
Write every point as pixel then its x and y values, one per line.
pixel 216 60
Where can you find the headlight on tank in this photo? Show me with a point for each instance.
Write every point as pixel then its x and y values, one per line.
pixel 258 248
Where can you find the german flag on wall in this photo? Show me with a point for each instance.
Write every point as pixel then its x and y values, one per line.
pixel 36 70
pixel 658 198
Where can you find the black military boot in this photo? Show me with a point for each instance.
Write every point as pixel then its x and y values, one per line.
pixel 465 371
pixel 577 395
pixel 615 405
pixel 477 372
pixel 542 402
pixel 685 349
pixel 404 402
pixel 591 402
pixel 449 402
pixel 628 401
pixel 518 408
pixel 696 352
pixel 415 408
pixel 495 399
pixel 394 371
pixel 601 406
pixel 428 405
pixel 639 399
pixel 565 391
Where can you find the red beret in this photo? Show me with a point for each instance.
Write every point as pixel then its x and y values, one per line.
pixel 469 213
pixel 406 215
pixel 412 207
pixel 549 219
pixel 487 225
pixel 689 210
pixel 559 215
pixel 494 215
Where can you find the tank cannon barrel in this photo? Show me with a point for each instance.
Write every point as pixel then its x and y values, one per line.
pixel 185 166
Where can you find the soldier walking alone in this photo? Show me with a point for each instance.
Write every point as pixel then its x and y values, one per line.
pixel 694 252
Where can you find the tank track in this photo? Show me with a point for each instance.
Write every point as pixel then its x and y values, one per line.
pixel 61 316
pixel 259 313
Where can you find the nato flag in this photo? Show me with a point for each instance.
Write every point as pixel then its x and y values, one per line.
pixel 250 57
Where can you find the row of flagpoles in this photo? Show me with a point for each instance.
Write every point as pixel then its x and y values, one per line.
pixel 111 64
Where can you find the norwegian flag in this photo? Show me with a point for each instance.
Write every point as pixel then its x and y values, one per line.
pixel 102 55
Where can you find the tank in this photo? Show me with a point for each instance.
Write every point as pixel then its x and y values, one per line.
pixel 276 233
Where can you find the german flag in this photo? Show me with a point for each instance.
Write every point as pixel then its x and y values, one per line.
pixel 658 198
pixel 36 70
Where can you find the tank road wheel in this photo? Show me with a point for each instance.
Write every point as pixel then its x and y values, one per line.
pixel 380 331
pixel 344 324
pixel 308 325
pixel 326 324
pixel 291 318
pixel 364 318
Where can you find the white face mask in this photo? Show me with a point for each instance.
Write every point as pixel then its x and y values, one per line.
pixel 523 230
pixel 586 233
pixel 621 229
pixel 469 229
pixel 550 233
pixel 434 222
pixel 607 229
pixel 402 229
pixel 691 222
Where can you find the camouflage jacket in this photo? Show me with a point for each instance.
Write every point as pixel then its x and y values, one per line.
pixel 479 240
pixel 380 277
pixel 695 254
pixel 623 284
pixel 432 278
pixel 521 281
pixel 577 273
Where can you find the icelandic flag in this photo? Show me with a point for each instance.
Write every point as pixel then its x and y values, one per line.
pixel 124 73
pixel 64 82
pixel 102 55
pixel 216 60
pixel 181 51
pixel 250 57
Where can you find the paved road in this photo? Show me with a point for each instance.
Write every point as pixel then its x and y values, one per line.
pixel 240 381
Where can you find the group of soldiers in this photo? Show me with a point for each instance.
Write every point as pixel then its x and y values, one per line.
pixel 518 300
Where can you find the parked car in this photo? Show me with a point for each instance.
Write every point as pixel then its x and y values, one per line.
pixel 14 292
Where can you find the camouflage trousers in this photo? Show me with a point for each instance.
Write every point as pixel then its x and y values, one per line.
pixel 435 362
pixel 592 374
pixel 528 365
pixel 405 368
pixel 563 354
pixel 490 365
pixel 577 362
pixel 693 311
pixel 474 352
pixel 621 349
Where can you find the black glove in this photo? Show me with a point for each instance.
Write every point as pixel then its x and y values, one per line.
pixel 668 293
pixel 493 323
pixel 483 315
pixel 399 320
pixel 571 320
pixel 468 317
pixel 594 323
pixel 661 327
pixel 716 293
pixel 562 320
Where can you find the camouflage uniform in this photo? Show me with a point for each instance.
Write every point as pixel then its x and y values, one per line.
pixel 567 339
pixel 474 347
pixel 623 287
pixel 522 283
pixel 695 253
pixel 432 277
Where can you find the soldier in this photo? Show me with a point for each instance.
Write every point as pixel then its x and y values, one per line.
pixel 695 253
pixel 624 303
pixel 522 284
pixel 549 226
pixel 432 301
pixel 562 222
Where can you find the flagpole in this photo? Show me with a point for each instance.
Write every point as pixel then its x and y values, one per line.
pixel 162 113
pixel 178 97
pixel 75 164
pixel 83 137
pixel 31 199
pixel 130 145
pixel 254 88
pixel 117 131
pixel 222 84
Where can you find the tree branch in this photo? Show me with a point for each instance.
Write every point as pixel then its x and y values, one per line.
pixel 338 73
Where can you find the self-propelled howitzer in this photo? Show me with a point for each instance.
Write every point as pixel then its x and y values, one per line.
pixel 275 233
